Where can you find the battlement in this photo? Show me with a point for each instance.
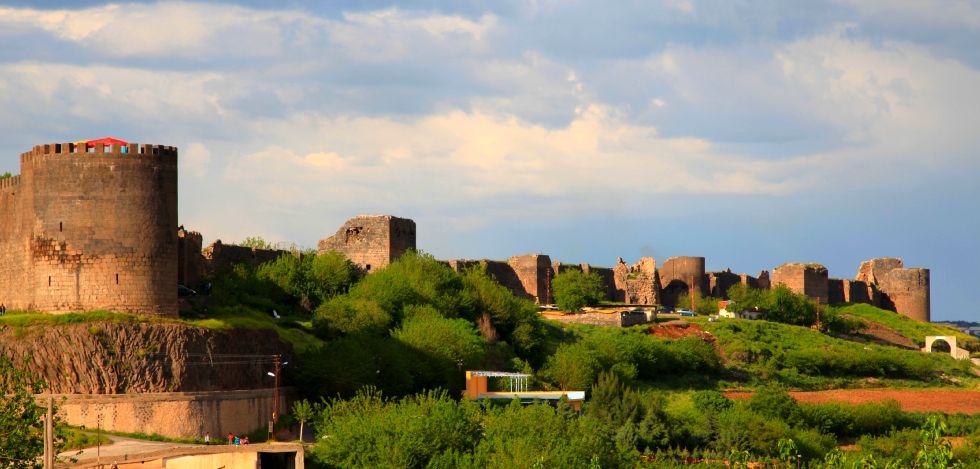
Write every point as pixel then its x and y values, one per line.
pixel 132 149
pixel 10 182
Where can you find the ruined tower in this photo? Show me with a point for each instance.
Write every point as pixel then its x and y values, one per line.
pixel 372 241
pixel 903 290
pixel 91 226
pixel 679 275
pixel 808 279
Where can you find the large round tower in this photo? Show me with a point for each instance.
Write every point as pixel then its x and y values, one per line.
pixel 101 227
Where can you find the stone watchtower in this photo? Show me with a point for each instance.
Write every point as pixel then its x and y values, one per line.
pixel 372 241
pixel 91 226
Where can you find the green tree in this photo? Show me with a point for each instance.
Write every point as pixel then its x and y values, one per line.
pixel 256 242
pixel 21 427
pixel 6 175
pixel 446 346
pixel 304 412
pixel 574 289
pixel 330 274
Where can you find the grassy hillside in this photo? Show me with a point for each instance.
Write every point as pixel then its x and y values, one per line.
pixel 290 330
pixel 804 358
pixel 916 331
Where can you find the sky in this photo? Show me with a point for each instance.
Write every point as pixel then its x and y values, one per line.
pixel 752 133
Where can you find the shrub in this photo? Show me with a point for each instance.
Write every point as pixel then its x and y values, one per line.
pixel 445 347
pixel 343 315
pixel 574 289
pixel 369 431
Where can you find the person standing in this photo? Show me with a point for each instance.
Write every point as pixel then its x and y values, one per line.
pixel 231 439
pixel 207 438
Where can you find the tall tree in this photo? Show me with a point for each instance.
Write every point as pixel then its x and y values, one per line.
pixel 21 425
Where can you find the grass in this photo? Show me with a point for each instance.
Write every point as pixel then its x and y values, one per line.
pixel 916 331
pixel 78 438
pixel 807 359
pixel 296 331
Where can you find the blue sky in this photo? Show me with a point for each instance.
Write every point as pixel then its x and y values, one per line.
pixel 751 133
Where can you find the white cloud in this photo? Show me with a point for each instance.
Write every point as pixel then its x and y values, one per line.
pixel 195 158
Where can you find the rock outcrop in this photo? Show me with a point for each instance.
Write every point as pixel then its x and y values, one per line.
pixel 117 358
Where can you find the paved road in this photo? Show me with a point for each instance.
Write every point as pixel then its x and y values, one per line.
pixel 118 450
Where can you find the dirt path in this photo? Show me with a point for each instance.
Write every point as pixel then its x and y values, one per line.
pixel 916 400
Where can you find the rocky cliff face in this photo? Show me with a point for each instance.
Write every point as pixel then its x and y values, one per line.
pixel 116 358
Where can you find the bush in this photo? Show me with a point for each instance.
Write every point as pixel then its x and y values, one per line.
pixel 511 318
pixel 344 316
pixel 368 431
pixel 444 346
pixel 574 289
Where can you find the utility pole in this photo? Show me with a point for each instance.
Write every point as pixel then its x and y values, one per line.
pixel 275 398
pixel 691 294
pixel 49 455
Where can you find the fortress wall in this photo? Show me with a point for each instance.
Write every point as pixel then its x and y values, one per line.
pixel 15 272
pixel 676 277
pixel 835 291
pixel 856 291
pixel 637 284
pixel 220 256
pixel 720 282
pixel 97 229
pixel 534 273
pixel 505 275
pixel 173 414
pixel 750 281
pixel 906 291
pixel 874 270
pixel 190 261
pixel 608 279
pixel 808 279
pixel 459 265
pixel 372 241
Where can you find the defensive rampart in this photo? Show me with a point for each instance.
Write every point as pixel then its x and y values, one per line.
pixel 173 414
pixel 91 228
pixel 372 241
pixel 679 275
pixel 808 279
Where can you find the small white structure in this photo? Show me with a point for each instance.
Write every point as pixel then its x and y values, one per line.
pixel 954 351
pixel 723 311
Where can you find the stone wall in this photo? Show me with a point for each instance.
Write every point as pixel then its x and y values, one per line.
pixel 534 273
pixel 219 256
pixel 808 279
pixel 637 284
pixel 906 291
pixel 87 230
pixel 190 261
pixel 720 282
pixel 528 276
pixel 678 275
pixel 173 414
pixel 890 285
pixel 608 278
pixel 372 241
pixel 620 319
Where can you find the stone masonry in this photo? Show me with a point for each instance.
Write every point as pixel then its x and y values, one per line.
pixel 90 228
pixel 372 241
pixel 808 279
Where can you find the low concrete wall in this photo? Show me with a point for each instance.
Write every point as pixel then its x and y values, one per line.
pixel 172 414
pixel 619 319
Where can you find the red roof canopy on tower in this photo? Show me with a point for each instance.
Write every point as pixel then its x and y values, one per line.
pixel 104 141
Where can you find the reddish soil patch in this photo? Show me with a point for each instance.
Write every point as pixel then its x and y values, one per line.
pixel 680 328
pixel 916 400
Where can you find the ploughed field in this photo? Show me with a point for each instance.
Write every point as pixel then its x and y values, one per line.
pixel 914 400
